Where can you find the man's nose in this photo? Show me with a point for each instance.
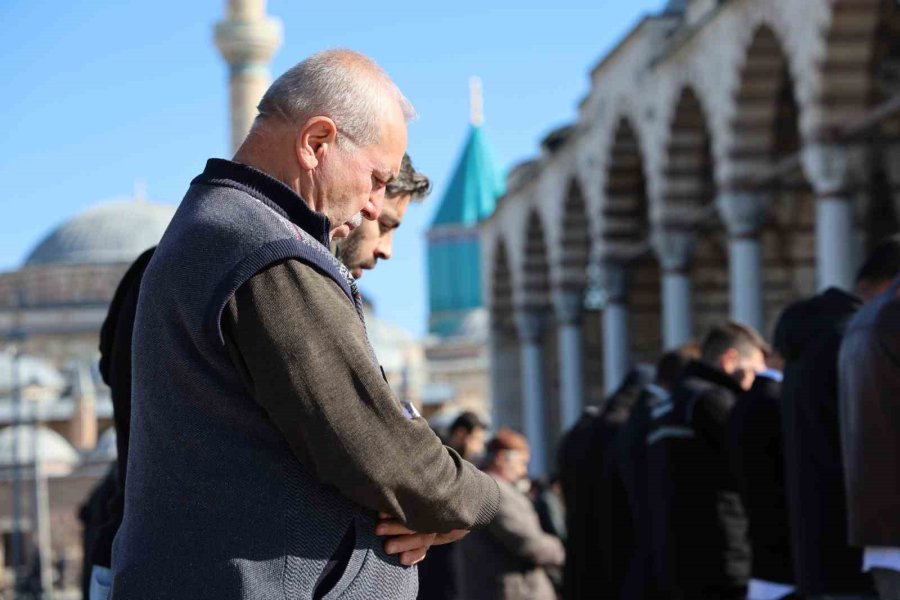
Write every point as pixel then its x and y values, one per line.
pixel 372 209
pixel 385 247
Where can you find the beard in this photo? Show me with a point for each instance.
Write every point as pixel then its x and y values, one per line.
pixel 356 220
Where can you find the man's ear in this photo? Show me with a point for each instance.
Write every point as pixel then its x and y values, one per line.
pixel 316 139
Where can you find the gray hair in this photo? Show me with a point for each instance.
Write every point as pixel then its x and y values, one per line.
pixel 343 85
pixel 409 182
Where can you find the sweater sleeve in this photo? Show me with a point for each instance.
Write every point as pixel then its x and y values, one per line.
pixel 304 355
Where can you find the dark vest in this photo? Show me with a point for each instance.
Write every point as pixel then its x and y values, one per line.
pixel 216 505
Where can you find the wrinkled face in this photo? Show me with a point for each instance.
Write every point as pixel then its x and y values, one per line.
pixel 512 465
pixel 353 180
pixel 373 240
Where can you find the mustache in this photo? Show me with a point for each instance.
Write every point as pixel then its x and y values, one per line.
pixel 356 220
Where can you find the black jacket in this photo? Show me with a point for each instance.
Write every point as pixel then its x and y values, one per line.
pixel 870 421
pixel 115 367
pixel 808 336
pixel 756 450
pixel 576 459
pixel 600 531
pixel 699 527
pixel 631 463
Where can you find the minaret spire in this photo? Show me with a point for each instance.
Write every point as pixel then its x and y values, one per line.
pixel 247 39
pixel 476 102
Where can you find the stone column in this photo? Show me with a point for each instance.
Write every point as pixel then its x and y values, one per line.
pixel 836 173
pixel 744 214
pixel 568 307
pixel 616 338
pixel 674 249
pixel 247 40
pixel 506 402
pixel 530 324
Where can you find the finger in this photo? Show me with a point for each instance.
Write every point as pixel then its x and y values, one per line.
pixel 403 543
pixel 450 537
pixel 411 557
pixel 393 528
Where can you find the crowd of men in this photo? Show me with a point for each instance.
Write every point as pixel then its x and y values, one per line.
pixel 743 470
pixel 262 453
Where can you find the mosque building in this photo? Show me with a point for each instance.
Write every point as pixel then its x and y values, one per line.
pixel 457 347
pixel 730 156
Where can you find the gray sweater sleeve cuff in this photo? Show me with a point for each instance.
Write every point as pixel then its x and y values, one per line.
pixel 491 505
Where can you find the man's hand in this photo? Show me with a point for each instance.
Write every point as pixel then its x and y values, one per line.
pixel 412 546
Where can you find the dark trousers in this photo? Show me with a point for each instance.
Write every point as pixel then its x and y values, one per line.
pixel 887 582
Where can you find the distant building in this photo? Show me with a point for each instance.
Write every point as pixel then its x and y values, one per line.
pixel 456 350
pixel 728 158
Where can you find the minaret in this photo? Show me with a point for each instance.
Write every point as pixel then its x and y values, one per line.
pixel 83 427
pixel 247 40
pixel 454 263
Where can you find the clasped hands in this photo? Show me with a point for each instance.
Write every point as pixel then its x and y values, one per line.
pixel 411 545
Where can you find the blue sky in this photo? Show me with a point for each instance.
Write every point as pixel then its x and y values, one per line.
pixel 96 95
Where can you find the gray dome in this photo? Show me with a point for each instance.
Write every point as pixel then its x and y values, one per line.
pixel 675 7
pixel 56 453
pixel 117 232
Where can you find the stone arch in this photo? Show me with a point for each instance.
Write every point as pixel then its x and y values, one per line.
pixel 861 37
pixel 506 370
pixel 536 286
pixel 625 206
pixel 689 203
pixel 625 239
pixel 861 69
pixel 575 257
pixel 766 131
pixel 575 238
pixel 765 102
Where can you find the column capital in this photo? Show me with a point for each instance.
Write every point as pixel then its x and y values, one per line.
pixel 674 247
pixel 614 278
pixel 744 212
pixel 834 170
pixel 530 323
pixel 568 305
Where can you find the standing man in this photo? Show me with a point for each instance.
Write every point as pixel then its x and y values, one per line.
pixel 265 439
pixel 631 466
pixel 373 240
pixel 870 432
pixel 698 523
pixel 808 336
pixel 437 573
pixel 756 451
pixel 506 560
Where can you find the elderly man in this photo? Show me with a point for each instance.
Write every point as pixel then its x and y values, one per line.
pixel 373 240
pixel 265 439
pixel 507 559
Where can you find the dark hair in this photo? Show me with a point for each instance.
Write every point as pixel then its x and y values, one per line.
pixel 883 263
pixel 408 182
pixel 730 334
pixel 468 421
pixel 673 363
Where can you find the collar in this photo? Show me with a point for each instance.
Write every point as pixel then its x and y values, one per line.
pixel 268 190
pixel 713 375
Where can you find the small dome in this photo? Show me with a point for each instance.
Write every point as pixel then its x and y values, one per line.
pixel 56 454
pixel 32 372
pixel 116 232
